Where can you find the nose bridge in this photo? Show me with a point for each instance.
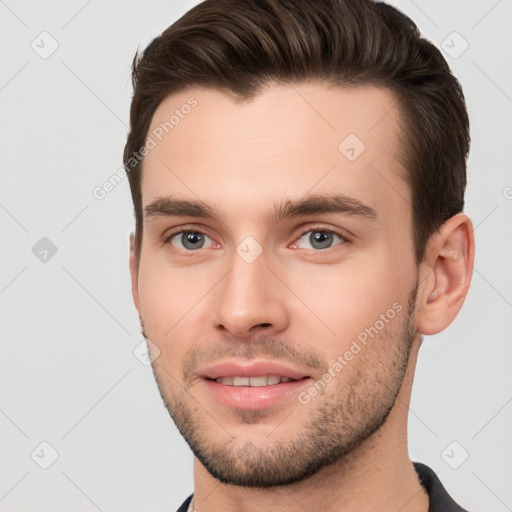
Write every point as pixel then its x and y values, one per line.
pixel 250 295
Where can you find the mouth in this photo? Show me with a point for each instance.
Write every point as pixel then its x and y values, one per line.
pixel 258 385
pixel 255 382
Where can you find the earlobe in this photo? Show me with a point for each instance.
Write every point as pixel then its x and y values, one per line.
pixel 134 273
pixel 447 272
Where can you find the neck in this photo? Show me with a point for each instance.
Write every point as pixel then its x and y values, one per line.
pixel 376 476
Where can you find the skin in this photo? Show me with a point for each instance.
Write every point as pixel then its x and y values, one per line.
pixel 293 303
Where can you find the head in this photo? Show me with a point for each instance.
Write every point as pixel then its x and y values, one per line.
pixel 298 172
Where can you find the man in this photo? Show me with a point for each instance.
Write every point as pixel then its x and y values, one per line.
pixel 298 173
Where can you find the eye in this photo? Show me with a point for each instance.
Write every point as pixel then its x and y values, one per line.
pixel 188 240
pixel 320 238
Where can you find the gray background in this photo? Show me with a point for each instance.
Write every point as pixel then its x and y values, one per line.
pixel 69 374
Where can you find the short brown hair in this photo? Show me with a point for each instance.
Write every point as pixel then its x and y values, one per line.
pixel 239 46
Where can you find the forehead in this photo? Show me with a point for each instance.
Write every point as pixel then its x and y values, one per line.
pixel 286 141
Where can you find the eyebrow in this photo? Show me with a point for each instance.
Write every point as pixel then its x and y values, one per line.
pixel 310 205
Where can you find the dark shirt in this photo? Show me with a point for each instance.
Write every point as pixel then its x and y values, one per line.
pixel 439 499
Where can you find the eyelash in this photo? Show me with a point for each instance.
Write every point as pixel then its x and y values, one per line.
pixel 325 229
pixel 168 237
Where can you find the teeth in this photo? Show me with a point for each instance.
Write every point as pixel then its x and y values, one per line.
pixel 240 381
pixel 225 380
pixel 274 379
pixel 259 381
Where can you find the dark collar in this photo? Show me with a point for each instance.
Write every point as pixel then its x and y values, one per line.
pixel 439 499
pixel 185 504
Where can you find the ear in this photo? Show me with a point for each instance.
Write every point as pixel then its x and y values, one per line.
pixel 134 273
pixel 445 274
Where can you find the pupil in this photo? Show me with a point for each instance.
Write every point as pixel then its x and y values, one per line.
pixel 189 239
pixel 321 238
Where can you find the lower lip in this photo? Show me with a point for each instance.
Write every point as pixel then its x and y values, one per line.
pixel 257 397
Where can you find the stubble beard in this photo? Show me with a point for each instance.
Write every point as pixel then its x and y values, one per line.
pixel 344 415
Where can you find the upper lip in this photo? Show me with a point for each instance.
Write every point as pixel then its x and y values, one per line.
pixel 254 369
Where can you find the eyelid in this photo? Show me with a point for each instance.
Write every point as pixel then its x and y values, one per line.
pixel 168 235
pixel 321 227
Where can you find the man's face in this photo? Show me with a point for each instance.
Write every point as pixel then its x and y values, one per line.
pixel 263 291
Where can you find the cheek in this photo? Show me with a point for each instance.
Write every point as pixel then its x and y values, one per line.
pixel 163 302
pixel 172 298
pixel 343 301
pixel 162 299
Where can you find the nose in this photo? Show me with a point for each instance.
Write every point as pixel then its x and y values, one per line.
pixel 250 300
